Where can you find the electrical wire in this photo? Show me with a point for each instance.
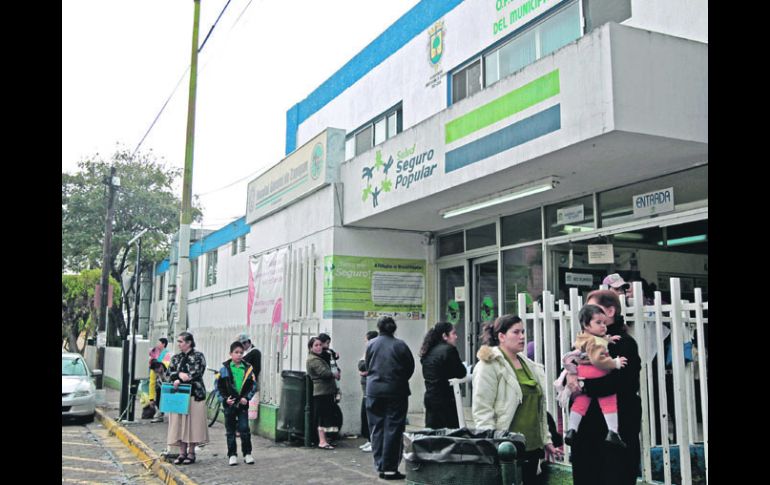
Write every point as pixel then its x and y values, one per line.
pixel 184 75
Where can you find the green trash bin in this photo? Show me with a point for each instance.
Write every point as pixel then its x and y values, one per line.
pixel 462 457
pixel 291 414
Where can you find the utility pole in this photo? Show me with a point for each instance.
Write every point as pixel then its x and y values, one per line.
pixel 183 277
pixel 113 183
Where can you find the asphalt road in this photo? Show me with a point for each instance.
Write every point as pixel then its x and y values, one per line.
pixel 91 456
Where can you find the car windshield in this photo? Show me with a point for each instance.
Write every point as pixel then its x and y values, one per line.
pixel 73 367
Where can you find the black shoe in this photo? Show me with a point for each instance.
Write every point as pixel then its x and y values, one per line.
pixel 615 439
pixel 569 436
pixel 392 476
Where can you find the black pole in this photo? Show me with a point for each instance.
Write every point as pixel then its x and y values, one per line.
pixel 124 380
pixel 138 273
pixel 105 280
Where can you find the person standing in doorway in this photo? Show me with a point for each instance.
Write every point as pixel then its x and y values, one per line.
pixel 440 362
pixel 390 365
pixel 366 447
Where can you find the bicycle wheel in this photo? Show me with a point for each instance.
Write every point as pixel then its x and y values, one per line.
pixel 212 408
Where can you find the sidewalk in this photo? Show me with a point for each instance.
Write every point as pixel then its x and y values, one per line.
pixel 276 463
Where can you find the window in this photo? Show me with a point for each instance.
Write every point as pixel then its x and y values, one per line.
pixel 211 268
pixel 160 286
pixel 234 247
pixel 479 237
pixel 690 191
pixel 451 244
pixel 193 274
pixel 242 242
pixel 383 127
pixel 520 228
pixel 548 35
pixel 573 216
pixel 466 82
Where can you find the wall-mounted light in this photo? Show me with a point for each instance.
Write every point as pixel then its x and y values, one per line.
pixel 501 197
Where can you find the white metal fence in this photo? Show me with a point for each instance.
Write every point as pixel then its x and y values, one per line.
pixel 283 347
pixel 556 326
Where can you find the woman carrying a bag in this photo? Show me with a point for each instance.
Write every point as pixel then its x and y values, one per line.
pixel 187 430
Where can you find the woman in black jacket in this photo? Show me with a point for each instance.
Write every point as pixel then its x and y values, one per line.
pixel 440 362
pixel 593 461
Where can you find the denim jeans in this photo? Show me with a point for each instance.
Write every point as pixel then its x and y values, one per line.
pixel 237 418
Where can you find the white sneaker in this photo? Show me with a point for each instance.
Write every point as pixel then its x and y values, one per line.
pixel 233 460
pixel 248 459
pixel 365 445
pixel 367 449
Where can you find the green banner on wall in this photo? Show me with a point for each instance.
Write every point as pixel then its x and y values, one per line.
pixel 362 287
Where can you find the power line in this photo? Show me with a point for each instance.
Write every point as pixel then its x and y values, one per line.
pixel 173 91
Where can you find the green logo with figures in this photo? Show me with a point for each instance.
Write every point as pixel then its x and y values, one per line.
pixel 487 309
pixel 316 160
pixel 386 185
pixel 452 312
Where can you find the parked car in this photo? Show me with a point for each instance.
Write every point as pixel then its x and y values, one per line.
pixel 78 392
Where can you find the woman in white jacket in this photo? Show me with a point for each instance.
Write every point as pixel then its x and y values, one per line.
pixel 508 391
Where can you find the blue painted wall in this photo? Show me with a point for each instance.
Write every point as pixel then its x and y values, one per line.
pixel 410 25
pixel 216 239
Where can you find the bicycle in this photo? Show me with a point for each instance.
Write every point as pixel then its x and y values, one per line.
pixel 213 402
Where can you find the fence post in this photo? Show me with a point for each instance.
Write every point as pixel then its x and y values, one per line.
pixel 677 353
pixel 702 361
pixel 639 322
pixel 662 396
pixel 549 348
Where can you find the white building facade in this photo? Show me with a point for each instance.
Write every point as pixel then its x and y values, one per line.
pixel 476 150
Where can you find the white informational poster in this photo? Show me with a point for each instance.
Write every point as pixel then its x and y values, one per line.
pixel 600 254
pixel 459 293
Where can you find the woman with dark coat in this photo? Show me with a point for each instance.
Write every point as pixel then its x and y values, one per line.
pixel 594 462
pixel 324 389
pixel 440 362
pixel 390 365
pixel 187 430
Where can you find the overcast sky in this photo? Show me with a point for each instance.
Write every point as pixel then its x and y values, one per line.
pixel 122 58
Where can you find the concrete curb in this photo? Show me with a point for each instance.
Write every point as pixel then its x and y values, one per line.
pixel 168 473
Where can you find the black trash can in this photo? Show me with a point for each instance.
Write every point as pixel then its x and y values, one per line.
pixel 291 414
pixel 458 456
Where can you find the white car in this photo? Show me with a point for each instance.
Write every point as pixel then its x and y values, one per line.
pixel 78 392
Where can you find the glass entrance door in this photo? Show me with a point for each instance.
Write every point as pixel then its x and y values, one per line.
pixel 485 305
pixel 452 303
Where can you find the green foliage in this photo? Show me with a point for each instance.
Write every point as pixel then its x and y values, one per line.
pixel 145 200
pixel 78 311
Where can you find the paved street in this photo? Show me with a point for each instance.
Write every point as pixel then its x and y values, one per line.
pixel 91 456
pixel 276 463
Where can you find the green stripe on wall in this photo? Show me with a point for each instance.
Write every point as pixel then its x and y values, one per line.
pixel 507 105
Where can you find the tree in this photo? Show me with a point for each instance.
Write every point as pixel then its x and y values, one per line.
pixel 145 200
pixel 78 311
